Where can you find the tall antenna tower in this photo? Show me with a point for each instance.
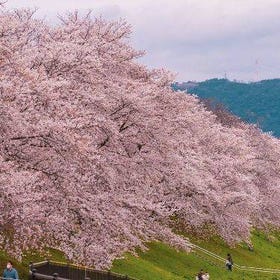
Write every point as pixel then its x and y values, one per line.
pixel 257 70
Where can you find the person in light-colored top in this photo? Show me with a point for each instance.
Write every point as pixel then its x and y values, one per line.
pixel 229 262
pixel 206 276
pixel 200 275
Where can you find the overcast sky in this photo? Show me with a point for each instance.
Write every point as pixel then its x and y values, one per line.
pixel 197 39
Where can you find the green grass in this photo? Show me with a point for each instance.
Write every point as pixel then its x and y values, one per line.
pixel 161 262
pixel 266 250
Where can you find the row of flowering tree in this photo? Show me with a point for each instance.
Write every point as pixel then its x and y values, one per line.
pixel 97 153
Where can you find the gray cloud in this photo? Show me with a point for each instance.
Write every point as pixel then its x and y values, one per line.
pixel 198 39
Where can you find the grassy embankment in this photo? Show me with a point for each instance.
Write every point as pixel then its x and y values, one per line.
pixel 162 262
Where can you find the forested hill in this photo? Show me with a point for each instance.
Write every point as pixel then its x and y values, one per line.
pixel 257 102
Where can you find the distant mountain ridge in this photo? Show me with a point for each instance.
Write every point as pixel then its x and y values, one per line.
pixel 256 102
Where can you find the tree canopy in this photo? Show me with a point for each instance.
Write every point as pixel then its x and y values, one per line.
pixel 99 155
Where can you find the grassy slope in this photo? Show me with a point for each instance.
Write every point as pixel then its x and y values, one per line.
pixel 161 262
pixel 164 263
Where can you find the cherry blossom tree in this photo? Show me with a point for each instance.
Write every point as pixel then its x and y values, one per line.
pixel 98 155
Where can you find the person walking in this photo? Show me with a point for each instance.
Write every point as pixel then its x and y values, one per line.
pixel 229 262
pixel 200 275
pixel 10 272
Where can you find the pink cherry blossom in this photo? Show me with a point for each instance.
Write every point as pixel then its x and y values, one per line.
pixel 97 153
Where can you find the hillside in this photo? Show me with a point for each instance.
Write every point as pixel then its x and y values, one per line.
pixel 98 156
pixel 162 262
pixel 256 102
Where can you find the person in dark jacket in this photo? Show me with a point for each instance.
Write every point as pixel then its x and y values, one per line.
pixel 229 262
pixel 10 272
